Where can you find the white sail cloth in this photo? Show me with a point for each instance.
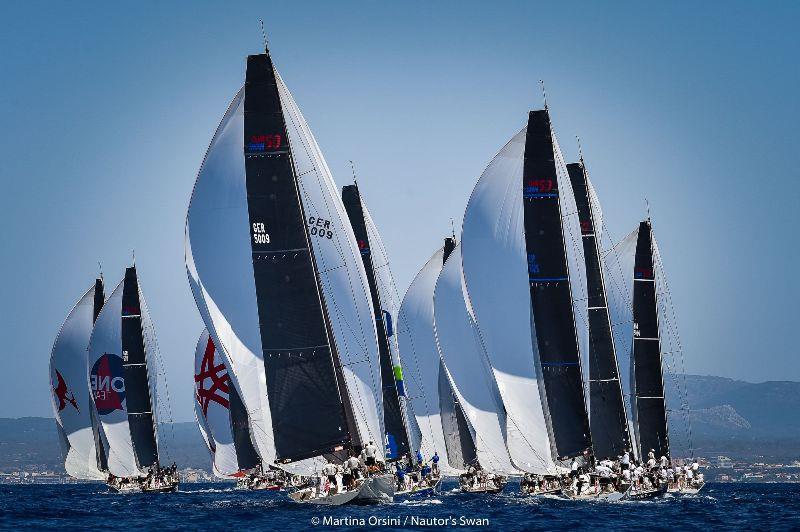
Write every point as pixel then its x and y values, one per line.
pixel 417 341
pixel 108 386
pixel 212 406
pixel 494 262
pixel 220 271
pixel 472 380
pixel 341 273
pixel 70 393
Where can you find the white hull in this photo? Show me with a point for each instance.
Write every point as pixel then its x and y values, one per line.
pixel 372 490
pixel 419 490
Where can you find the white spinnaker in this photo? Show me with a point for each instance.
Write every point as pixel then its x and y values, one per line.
pixel 390 304
pixel 214 405
pixel 471 377
pixel 495 266
pixel 69 377
pixel 106 341
pixel 618 264
pixel 219 263
pixel 417 342
pixel 341 273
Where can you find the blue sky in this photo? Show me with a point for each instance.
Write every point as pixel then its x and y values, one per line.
pixel 107 111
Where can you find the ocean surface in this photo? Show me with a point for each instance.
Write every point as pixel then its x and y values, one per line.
pixel 219 506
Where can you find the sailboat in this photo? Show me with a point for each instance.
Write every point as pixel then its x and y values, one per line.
pixel 641 316
pixel 607 413
pixel 471 381
pixel 402 434
pixel 444 434
pixel 279 282
pixel 123 357
pixel 521 258
pixel 76 420
pixel 224 425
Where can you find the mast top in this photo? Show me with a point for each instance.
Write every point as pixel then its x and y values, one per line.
pixel 264 36
pixel 100 269
pixel 353 168
pixel 544 94
pixel 580 149
pixel 647 207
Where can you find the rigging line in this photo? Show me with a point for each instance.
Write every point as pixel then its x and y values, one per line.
pixel 673 326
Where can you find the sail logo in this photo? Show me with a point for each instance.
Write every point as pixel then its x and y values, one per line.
pixel 586 227
pixel 363 247
pixel 63 394
pixel 533 264
pixel 260 143
pixel 540 188
pixel 108 384
pixel 319 227
pixel 260 235
pixel 218 390
pixel 643 273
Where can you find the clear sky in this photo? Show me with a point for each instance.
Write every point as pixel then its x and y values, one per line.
pixel 107 110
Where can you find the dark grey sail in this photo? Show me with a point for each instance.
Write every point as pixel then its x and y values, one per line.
pixel 137 383
pixel 458 442
pixel 246 455
pixel 647 380
pixel 307 401
pixel 394 424
pixel 100 446
pixel 607 416
pixel 551 293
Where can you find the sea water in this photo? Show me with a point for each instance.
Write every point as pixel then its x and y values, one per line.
pixel 218 506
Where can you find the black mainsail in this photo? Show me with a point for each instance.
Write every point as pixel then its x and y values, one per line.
pixel 307 401
pixel 551 293
pixel 607 417
pixel 98 301
pixel 647 380
pixel 137 382
pixel 394 422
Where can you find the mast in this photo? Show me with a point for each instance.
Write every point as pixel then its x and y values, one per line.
pixel 395 424
pixel 650 411
pixel 141 420
pixel 551 293
pixel 307 400
pixel 607 416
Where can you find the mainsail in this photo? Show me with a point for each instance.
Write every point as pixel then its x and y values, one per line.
pixel 72 405
pixel 471 379
pixel 649 407
pixel 384 306
pixel 278 279
pixel 607 415
pixel 219 413
pixel 122 387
